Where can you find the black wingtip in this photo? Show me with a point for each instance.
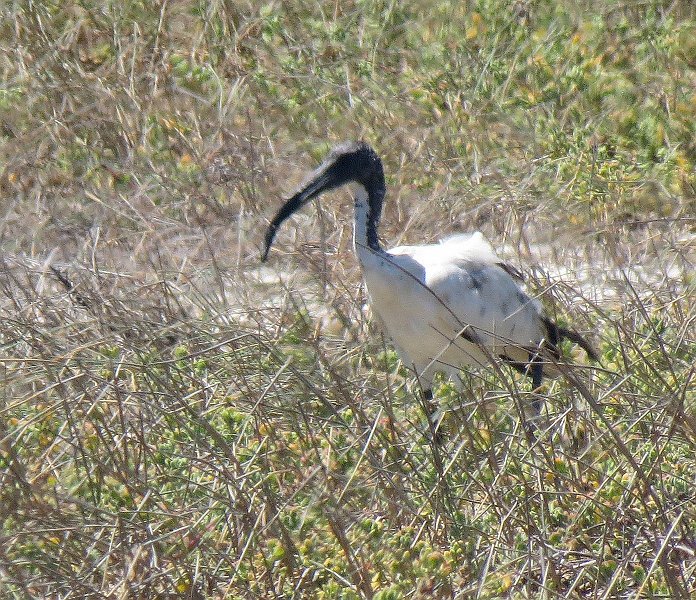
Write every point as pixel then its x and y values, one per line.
pixel 582 342
pixel 556 334
pixel 576 338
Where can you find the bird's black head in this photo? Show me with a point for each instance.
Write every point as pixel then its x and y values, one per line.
pixel 354 161
pixel 348 162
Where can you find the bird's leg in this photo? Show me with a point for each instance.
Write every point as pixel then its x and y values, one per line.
pixel 434 416
pixel 536 370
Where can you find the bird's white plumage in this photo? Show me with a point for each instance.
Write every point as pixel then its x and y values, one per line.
pixel 428 296
pixel 460 246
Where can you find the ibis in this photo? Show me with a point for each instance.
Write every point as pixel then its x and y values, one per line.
pixel 445 306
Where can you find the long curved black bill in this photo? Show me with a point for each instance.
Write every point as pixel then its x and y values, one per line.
pixel 325 179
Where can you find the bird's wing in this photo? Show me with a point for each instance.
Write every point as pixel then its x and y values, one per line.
pixel 461 246
pixel 465 273
pixel 469 246
pixel 474 246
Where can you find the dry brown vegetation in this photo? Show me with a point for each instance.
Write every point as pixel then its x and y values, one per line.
pixel 177 420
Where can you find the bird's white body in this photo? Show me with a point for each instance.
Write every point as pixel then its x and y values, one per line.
pixel 433 299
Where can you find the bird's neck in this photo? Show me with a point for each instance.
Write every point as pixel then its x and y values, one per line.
pixel 367 210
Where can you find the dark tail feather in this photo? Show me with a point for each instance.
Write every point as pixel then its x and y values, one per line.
pixel 556 334
pixel 576 338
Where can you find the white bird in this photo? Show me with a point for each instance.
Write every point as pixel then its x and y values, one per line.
pixel 445 306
